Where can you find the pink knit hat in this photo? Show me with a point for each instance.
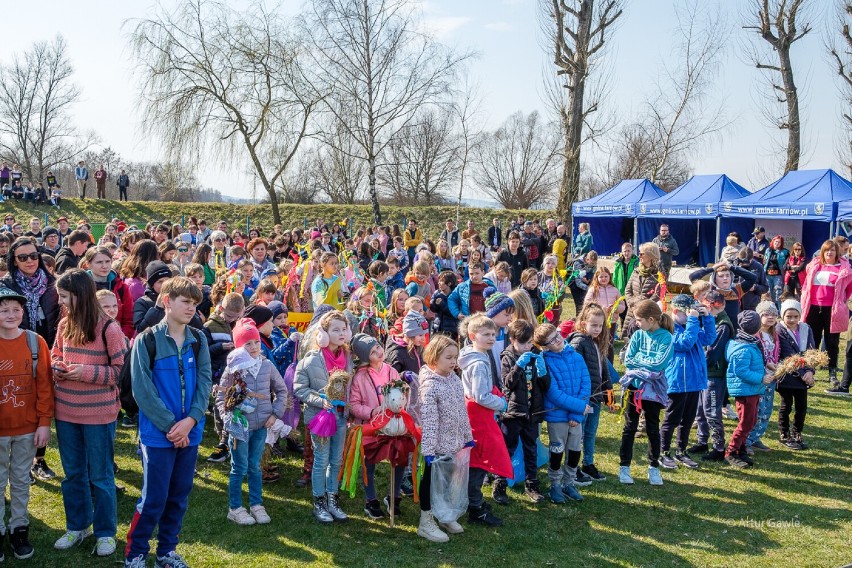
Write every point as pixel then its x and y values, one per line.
pixel 244 331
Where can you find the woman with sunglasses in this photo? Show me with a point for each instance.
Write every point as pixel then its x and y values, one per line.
pixel 643 284
pixel 220 257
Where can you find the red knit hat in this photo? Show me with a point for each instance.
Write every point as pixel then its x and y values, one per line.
pixel 566 328
pixel 244 331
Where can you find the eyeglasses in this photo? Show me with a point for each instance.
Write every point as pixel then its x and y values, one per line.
pixel 218 240
pixel 556 338
pixel 26 257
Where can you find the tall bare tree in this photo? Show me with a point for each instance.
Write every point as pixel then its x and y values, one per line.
pixel 776 22
pixel 226 80
pixel 517 163
pixel 466 108
pixel 36 95
pixel 576 31
pixel 422 159
pixel 840 49
pixel 342 174
pixel 377 70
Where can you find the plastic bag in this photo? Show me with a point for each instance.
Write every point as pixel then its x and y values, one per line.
pixel 449 486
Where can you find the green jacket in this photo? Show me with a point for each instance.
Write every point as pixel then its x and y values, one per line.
pixel 622 271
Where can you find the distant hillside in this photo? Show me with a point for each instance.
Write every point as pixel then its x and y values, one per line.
pixel 431 219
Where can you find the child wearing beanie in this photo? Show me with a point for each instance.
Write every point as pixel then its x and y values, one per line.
pixel 746 376
pixel 365 401
pixel 262 317
pixel 499 308
pixel 793 387
pixel 251 397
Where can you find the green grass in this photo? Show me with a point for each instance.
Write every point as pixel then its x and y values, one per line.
pixel 431 219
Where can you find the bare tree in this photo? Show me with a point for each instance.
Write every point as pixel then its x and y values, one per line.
pixel 338 167
pixel 775 22
pixel 577 31
pixel 227 80
pixel 638 153
pixel 466 109
pixel 516 164
pixel 377 71
pixel 36 96
pixel 421 160
pixel 841 51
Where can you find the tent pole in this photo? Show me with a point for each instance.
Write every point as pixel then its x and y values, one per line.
pixel 718 235
pixel 636 232
pixel 698 242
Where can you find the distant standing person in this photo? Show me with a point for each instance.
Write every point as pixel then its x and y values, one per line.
pixel 758 244
pixel 81 176
pixel 583 242
pixel 668 249
pixel 123 183
pixel 100 181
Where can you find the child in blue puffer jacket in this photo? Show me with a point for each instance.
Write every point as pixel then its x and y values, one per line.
pixel 686 375
pixel 568 401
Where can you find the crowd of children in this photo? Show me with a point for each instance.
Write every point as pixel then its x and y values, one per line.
pixel 484 360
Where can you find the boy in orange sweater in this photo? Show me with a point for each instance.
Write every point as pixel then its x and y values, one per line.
pixel 26 409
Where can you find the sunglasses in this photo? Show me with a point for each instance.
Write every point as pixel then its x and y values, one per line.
pixel 26 257
pixel 218 240
pixel 182 249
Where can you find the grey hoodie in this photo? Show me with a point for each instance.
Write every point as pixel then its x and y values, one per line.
pixel 478 379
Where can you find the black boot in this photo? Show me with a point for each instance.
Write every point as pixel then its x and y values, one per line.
pixel 797 438
pixel 498 492
pixel 533 491
pixel 481 515
pixel 20 540
pixel 295 446
pixel 832 376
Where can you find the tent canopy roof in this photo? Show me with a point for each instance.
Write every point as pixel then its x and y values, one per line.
pixel 619 201
pixel 698 198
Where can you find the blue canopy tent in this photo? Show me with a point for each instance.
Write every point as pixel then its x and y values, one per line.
pixel 692 213
pixel 810 196
pixel 611 214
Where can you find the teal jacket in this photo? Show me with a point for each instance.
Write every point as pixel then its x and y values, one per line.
pixel 745 368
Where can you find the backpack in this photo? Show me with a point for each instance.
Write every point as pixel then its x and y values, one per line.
pixel 125 386
pixel 32 343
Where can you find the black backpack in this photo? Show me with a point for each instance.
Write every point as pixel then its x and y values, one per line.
pixel 125 386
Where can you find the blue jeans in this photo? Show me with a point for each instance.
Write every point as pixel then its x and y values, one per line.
pixel 86 451
pixel 328 458
pixel 776 286
pixel 590 431
pixel 764 412
pixel 245 459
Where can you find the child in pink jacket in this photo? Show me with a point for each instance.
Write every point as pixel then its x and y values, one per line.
pixel 365 401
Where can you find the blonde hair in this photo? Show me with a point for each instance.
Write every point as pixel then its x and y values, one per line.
pixel 413 301
pixel 472 325
pixel 192 268
pixel 393 313
pixel 354 303
pixel 602 340
pixel 436 347
pixel 233 302
pixel 181 286
pixel 325 323
pixel 105 293
pixel 651 250
pixel 699 286
pixel 422 267
pixel 523 306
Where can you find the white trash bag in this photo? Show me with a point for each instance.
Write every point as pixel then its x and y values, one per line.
pixel 449 485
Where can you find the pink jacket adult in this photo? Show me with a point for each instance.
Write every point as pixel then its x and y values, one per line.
pixel 842 291
pixel 364 391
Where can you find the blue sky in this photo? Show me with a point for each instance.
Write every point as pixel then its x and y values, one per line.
pixel 509 71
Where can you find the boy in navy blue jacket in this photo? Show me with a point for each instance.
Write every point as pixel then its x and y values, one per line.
pixel 172 395
pixel 567 401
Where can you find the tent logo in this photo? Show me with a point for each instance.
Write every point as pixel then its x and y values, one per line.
pixel 643 208
pixel 708 208
pixel 628 208
pixel 727 207
pixel 819 208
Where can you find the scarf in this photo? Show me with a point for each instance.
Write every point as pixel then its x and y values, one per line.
pixel 33 288
pixel 646 271
pixel 333 361
pixel 746 338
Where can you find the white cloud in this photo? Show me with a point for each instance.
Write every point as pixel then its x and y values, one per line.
pixel 499 26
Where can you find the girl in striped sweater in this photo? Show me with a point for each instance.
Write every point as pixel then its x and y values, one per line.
pixel 87 359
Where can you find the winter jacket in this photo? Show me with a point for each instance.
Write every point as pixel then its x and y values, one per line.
pixel 622 271
pixel 393 284
pixel 795 268
pixel 440 305
pixel 218 332
pixel 452 237
pixel 271 391
pixel 125 303
pixel 715 354
pixel 596 363
pixel 788 347
pixel 536 300
pixel 751 298
pixel 518 262
pixel 842 290
pixel 479 381
pixel 570 386
pixel 364 392
pixel 445 425
pixel 666 256
pixel 172 390
pixel 604 297
pixel 583 243
pixel 639 288
pixel 400 358
pixel 66 260
pixel 782 256
pixel 146 313
pixel 687 369
pixel 311 377
pixel 410 241
pixel 49 303
pixel 745 368
pixel 459 299
pixel 525 397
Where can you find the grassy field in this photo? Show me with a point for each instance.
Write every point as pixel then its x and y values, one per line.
pixel 793 508
pixel 431 219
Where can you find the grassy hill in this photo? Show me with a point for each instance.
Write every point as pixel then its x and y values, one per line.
pixel 431 219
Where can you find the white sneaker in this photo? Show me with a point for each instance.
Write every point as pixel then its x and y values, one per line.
pixel 241 516
pixel 624 475
pixel 429 530
pixel 259 514
pixel 105 546
pixel 452 527
pixel 654 476
pixel 71 539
